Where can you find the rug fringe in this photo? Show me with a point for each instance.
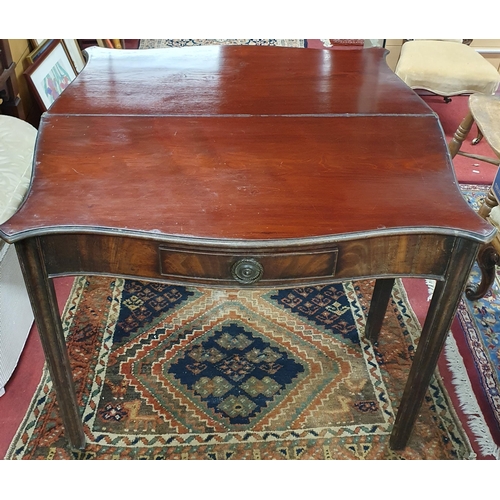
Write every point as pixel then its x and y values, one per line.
pixel 467 400
pixel 431 284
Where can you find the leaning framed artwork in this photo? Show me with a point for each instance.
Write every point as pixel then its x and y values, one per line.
pixel 75 53
pixel 50 74
pixel 38 51
pixel 36 42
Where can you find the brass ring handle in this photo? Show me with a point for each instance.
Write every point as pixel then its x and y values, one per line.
pixel 247 271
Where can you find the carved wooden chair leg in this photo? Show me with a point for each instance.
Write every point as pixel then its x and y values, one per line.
pixel 489 202
pixel 478 137
pixel 460 135
pixel 487 260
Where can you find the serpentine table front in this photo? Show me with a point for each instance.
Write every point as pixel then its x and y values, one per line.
pixel 245 167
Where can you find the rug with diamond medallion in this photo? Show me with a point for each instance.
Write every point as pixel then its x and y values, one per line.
pixel 169 372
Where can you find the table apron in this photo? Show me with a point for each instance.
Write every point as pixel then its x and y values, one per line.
pixel 424 255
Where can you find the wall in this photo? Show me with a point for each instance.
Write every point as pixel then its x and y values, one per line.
pixel 394 48
pixel 488 46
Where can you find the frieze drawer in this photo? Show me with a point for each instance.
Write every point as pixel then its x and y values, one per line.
pixel 260 269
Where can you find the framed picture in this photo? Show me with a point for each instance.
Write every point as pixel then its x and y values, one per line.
pixel 38 51
pixel 50 74
pixel 75 54
pixel 36 42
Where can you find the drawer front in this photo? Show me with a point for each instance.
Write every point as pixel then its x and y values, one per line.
pixel 261 269
pixel 392 255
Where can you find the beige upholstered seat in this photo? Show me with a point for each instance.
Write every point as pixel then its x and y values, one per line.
pixel 484 110
pixel 446 68
pixel 17 142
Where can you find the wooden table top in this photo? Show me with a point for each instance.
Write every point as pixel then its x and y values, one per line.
pixel 245 143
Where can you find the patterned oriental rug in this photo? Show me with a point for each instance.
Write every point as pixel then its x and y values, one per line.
pixel 168 372
pixel 158 44
pixel 477 335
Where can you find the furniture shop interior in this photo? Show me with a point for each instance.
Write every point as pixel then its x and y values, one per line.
pixel 459 81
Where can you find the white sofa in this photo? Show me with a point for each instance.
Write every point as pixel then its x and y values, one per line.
pixel 17 142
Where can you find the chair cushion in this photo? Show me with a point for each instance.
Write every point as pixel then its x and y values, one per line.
pixel 485 110
pixel 446 68
pixel 17 143
pixel 495 216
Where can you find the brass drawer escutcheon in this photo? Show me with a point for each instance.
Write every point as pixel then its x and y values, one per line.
pixel 247 271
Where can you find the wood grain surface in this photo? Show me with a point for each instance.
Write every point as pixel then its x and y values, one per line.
pixel 227 80
pixel 282 143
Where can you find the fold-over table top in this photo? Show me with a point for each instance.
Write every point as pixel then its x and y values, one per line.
pixel 245 143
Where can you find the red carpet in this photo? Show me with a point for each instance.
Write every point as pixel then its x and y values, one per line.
pixel 20 388
pixel 468 171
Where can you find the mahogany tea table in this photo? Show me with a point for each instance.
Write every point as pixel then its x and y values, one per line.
pixel 245 167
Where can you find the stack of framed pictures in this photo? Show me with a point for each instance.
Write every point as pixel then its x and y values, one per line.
pixel 53 65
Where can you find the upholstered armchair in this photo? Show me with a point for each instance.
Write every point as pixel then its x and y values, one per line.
pixel 17 142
